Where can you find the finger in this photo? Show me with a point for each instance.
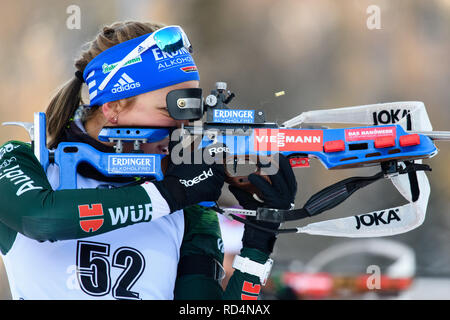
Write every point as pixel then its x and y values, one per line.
pixel 255 196
pixel 244 198
pixel 288 174
pixel 260 183
pixel 220 170
pixel 279 183
pixel 271 197
pixel 239 193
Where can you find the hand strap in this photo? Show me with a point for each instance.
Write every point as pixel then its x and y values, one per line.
pixel 260 270
pixel 201 264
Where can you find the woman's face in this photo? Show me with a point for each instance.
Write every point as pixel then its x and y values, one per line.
pixel 150 110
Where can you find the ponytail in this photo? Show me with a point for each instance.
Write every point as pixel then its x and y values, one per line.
pixel 61 108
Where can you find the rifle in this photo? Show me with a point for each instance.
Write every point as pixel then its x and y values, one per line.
pixel 396 137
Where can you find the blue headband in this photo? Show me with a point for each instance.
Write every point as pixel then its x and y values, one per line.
pixel 152 70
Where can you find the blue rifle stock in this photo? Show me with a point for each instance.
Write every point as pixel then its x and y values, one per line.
pixel 68 155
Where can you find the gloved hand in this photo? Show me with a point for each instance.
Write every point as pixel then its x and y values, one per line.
pixel 188 184
pixel 279 194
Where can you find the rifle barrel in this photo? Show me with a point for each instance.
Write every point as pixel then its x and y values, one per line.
pixel 434 135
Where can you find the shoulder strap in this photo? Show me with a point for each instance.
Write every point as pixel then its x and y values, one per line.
pixel 323 200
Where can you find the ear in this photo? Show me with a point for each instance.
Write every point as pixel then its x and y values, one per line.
pixel 110 110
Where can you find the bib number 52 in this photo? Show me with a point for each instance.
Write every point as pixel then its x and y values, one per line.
pixel 94 269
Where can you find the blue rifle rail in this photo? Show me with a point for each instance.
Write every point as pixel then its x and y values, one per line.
pixel 331 146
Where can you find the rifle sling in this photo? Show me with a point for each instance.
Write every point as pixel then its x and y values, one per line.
pixel 335 194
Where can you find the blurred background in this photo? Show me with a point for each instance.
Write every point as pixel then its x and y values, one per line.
pixel 321 53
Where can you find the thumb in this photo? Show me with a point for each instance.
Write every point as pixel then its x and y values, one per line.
pixel 244 198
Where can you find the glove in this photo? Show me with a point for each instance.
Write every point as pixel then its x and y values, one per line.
pixel 188 184
pixel 279 194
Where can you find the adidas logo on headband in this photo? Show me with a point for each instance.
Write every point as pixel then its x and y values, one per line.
pixel 125 83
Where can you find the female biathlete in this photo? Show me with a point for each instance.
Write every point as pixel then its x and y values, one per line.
pixel 116 238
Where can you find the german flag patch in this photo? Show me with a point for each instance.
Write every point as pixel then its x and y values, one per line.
pixel 189 69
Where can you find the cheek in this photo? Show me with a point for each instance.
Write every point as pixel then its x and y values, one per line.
pixel 159 147
pixel 147 118
pixel 150 147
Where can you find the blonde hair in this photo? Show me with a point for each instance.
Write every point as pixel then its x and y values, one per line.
pixel 68 98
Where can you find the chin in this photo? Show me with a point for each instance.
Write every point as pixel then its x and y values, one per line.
pixel 155 148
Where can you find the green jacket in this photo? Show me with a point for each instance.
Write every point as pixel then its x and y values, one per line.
pixel 47 215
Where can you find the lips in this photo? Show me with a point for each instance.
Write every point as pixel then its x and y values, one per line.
pixel 163 148
pixel 160 147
